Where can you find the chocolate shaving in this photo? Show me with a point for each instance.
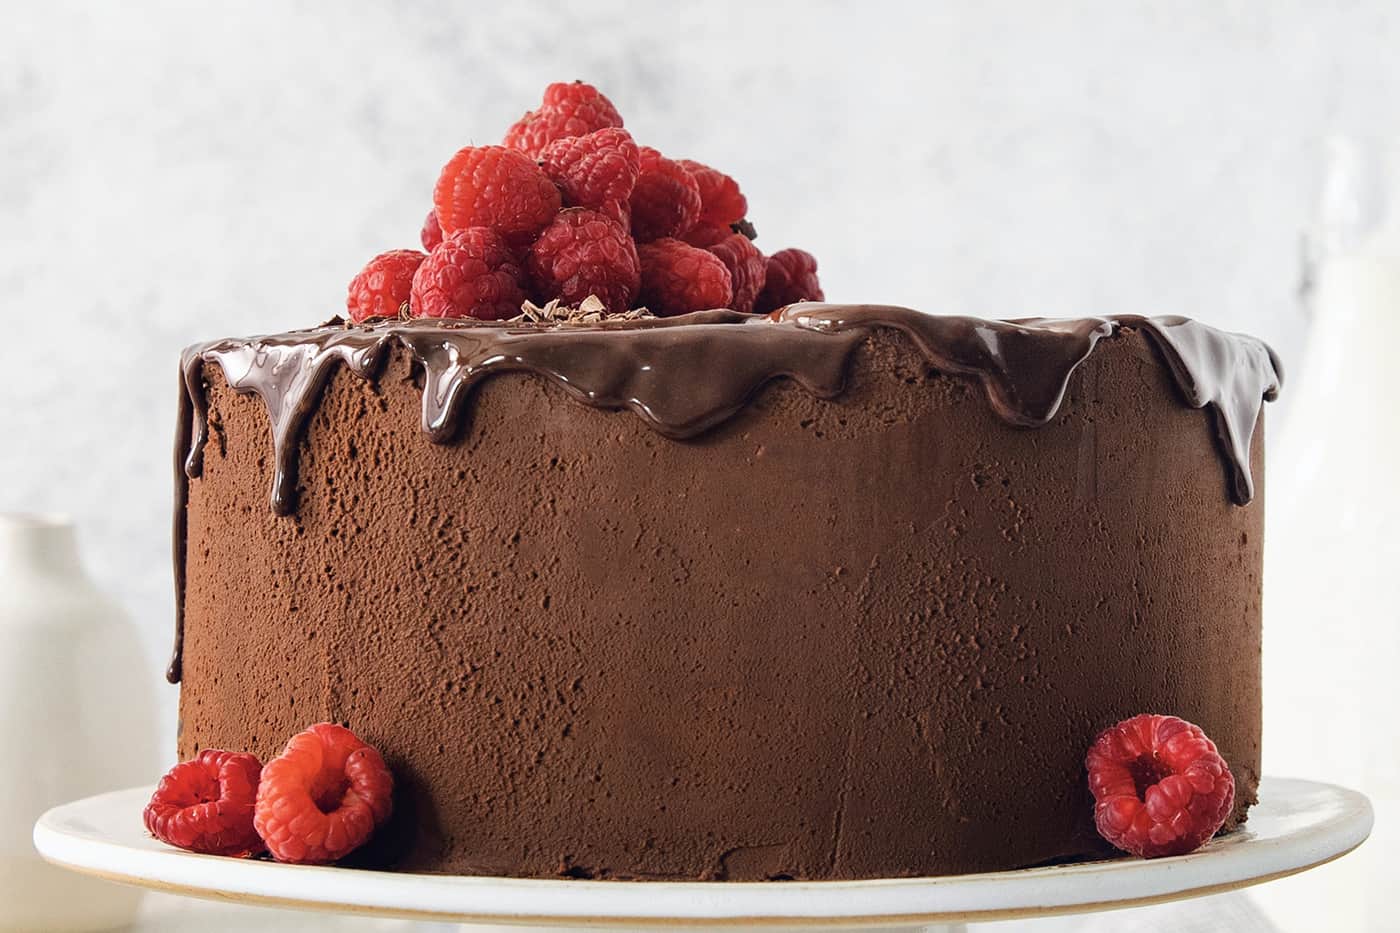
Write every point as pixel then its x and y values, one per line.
pixel 589 311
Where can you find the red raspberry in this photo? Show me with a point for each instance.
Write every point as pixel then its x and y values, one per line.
pixel 431 234
pixel 666 201
pixel 584 253
pixel 574 109
pixel 792 277
pixel 721 201
pixel 678 278
pixel 472 274
pixel 705 235
pixel 1159 785
pixel 382 287
pixel 323 797
pixel 619 211
pixel 206 804
pixel 593 170
pixel 489 186
pixel 747 269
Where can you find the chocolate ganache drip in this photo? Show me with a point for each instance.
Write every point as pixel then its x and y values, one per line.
pixel 684 375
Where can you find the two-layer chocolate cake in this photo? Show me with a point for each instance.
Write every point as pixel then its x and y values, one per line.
pixel 841 592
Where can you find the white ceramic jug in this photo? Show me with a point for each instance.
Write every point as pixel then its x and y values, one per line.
pixel 77 717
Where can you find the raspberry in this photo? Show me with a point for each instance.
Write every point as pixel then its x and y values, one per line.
pixel 472 274
pixel 583 253
pixel 747 269
pixel 575 109
pixel 792 277
pixel 323 797
pixel 1159 785
pixel 382 287
pixel 619 211
pixel 678 278
pixel 206 804
pixel 488 186
pixel 705 235
pixel 721 201
pixel 593 170
pixel 666 200
pixel 431 234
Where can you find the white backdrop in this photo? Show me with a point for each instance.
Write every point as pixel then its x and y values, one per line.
pixel 173 171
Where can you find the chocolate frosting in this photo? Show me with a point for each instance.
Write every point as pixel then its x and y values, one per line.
pixel 686 374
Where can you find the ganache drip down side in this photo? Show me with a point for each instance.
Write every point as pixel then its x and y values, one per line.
pixel 685 375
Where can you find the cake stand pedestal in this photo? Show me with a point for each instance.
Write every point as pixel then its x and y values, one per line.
pixel 1297 825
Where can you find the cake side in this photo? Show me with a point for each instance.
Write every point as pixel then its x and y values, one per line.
pixel 864 636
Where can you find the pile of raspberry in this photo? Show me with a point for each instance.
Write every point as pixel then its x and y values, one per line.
pixel 315 803
pixel 570 206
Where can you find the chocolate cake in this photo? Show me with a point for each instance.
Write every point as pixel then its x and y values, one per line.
pixel 840 592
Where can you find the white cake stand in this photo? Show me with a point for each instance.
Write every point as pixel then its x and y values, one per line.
pixel 1296 825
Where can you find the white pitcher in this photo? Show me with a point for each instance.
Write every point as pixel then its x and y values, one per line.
pixel 77 717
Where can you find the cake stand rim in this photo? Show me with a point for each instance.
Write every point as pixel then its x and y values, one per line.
pixel 1327 820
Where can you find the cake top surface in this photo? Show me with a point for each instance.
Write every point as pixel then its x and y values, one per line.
pixel 684 375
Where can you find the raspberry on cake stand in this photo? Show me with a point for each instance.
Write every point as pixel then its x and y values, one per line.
pixel 1296 825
